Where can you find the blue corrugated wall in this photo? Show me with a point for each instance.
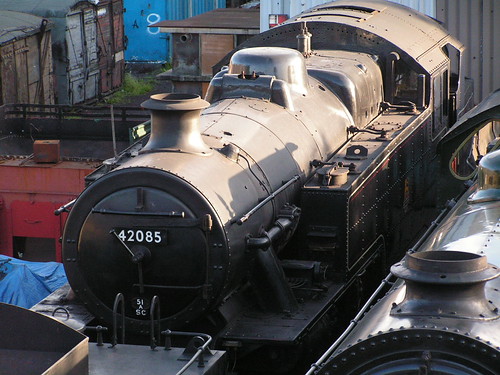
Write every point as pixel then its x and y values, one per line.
pixel 147 44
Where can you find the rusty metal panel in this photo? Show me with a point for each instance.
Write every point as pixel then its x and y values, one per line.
pixel 46 68
pixel 9 82
pixel 110 45
pixel 213 49
pixel 21 62
pixel 90 46
pixel 477 25
pixel 119 36
pixel 186 59
pixel 117 11
pixel 33 70
pixel 74 42
pixel 105 46
pixel 22 74
pixel 83 70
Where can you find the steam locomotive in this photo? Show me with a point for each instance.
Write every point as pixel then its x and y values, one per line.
pixel 263 214
pixel 441 315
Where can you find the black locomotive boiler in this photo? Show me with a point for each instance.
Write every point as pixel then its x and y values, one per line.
pixel 262 214
pixel 441 316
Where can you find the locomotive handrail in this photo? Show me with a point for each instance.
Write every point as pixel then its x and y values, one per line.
pixel 266 200
pixel 138 213
pixel 118 299
pixel 315 366
pixel 64 208
pixel 155 307
pixel 449 205
pixel 199 350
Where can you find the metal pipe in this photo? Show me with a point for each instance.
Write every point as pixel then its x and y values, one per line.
pixel 390 71
pixel 265 201
pixel 271 283
pixel 199 350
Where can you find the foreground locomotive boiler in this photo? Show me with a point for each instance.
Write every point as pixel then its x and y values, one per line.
pixel 442 314
pixel 262 214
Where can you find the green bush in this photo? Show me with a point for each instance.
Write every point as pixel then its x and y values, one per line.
pixel 132 86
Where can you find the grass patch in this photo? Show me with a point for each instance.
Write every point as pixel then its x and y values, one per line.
pixel 132 86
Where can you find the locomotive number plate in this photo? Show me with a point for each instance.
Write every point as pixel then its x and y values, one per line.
pixel 142 235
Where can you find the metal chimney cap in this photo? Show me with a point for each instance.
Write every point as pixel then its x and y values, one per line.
pixel 445 267
pixel 175 102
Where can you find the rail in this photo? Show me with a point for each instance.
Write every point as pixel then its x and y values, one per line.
pixel 64 112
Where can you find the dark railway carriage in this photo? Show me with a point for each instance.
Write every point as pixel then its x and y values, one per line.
pixel 315 165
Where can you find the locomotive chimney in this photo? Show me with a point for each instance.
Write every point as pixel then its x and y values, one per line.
pixel 446 284
pixel 175 124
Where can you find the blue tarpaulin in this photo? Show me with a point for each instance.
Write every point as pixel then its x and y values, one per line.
pixel 25 283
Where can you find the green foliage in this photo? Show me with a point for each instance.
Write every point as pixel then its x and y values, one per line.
pixel 132 86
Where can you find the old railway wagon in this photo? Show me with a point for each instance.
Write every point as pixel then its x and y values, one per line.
pixel 263 214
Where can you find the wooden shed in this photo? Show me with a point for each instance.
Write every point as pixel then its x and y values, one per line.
pixel 201 41
pixel 88 45
pixel 26 73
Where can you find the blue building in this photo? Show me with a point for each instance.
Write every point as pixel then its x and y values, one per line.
pixel 146 44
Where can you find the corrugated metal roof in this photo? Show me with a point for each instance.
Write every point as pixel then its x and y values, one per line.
pixel 295 7
pixel 17 25
pixel 477 25
pixel 230 20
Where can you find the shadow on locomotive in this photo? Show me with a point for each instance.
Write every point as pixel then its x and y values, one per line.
pixel 442 313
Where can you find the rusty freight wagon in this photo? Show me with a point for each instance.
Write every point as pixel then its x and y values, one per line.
pixel 88 45
pixel 26 73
